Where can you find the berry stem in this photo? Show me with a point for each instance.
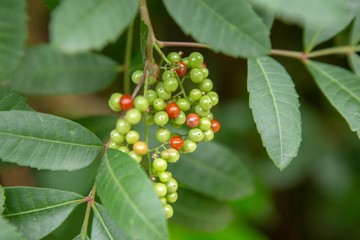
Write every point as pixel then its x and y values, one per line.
pixel 181 44
pixel 181 86
pixel 127 58
pixel 162 55
pixel 90 202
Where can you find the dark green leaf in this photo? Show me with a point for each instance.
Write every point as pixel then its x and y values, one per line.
pixel 200 213
pixel 226 26
pixel 354 61
pixel 103 227
pixel 90 24
pixel 46 71
pixel 144 35
pixel 12 100
pixel 38 211
pixel 275 107
pixel 319 13
pixel 12 34
pixel 51 4
pixel 342 89
pixel 128 196
pixel 8 231
pixel 100 125
pixel 355 30
pixel 45 141
pixel 214 171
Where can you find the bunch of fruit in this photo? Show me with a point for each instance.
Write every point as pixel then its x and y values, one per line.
pixel 167 105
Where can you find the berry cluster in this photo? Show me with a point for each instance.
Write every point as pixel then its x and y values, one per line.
pixel 166 104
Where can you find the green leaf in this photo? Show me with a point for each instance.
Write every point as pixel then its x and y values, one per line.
pixel 226 26
pixel 100 125
pixel 45 141
pixel 38 211
pixel 354 61
pixel 144 36
pixel 90 24
pixel 200 213
pixel 214 171
pixel 51 4
pixel 128 197
pixel 2 199
pixel 103 227
pixel 81 237
pixel 12 100
pixel 341 88
pixel 355 30
pixel 8 231
pixel 267 17
pixel 275 107
pixel 44 71
pixel 12 34
pixel 319 13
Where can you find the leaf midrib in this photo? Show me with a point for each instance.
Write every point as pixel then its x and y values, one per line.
pixel 97 213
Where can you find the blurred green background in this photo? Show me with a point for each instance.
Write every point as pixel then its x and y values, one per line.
pixel 316 197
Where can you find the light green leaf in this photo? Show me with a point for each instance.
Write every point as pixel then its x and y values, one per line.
pixel 12 100
pixel 128 197
pixel 214 171
pixel 103 227
pixel 8 231
pixel 100 125
pixel 45 141
pixel 275 107
pixel 226 26
pixel 90 24
pixel 38 211
pixel 2 199
pixel 354 61
pixel 355 30
pixel 12 34
pixel 44 71
pixel 341 88
pixel 200 213
pixel 319 13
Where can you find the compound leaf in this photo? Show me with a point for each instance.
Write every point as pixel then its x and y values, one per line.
pixel 103 227
pixel 214 171
pixel 90 24
pixel 128 196
pixel 45 71
pixel 226 26
pixel 275 107
pixel 38 211
pixel 45 141
pixel 12 100
pixel 341 88
pixel 200 213
pixel 12 34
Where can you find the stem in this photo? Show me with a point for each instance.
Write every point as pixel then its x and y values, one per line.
pixel 127 60
pixel 162 55
pixel 90 202
pixel 334 50
pixel 181 44
pixel 287 53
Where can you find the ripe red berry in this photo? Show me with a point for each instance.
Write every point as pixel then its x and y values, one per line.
pixel 192 120
pixel 215 125
pixel 173 110
pixel 126 102
pixel 181 70
pixel 176 142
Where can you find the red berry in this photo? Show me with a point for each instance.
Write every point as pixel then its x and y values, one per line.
pixel 203 65
pixel 181 70
pixel 173 110
pixel 176 142
pixel 192 120
pixel 126 102
pixel 215 125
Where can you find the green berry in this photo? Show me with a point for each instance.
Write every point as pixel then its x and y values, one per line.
pixel 159 104
pixel 189 146
pixel 123 126
pixel 195 94
pixel 205 123
pixel 171 84
pixel 162 135
pixel 214 97
pixel 123 149
pixel 114 102
pixel 180 119
pixel 160 189
pixel 159 165
pixel 151 96
pixel 167 74
pixel 174 155
pixel 113 145
pixel 173 57
pixel 171 185
pixel 161 118
pixel 183 104
pixel 208 135
pixel 202 112
pixel 196 59
pixel 163 201
pixel 132 137
pixel 206 85
pixel 136 76
pixel 133 116
pixel 171 197
pixel 164 176
pixel 186 62
pixel 205 71
pixel 196 75
pixel 117 137
pixel 137 158
pixel 161 92
pixel 205 103
pixel 141 103
pixel 196 135
pixel 169 211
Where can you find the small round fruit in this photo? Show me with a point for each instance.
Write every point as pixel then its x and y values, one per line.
pixel 137 158
pixel 161 92
pixel 163 201
pixel 136 76
pixel 160 189
pixel 205 102
pixel 202 112
pixel 169 211
pixel 113 145
pixel 126 102
pixel 189 146
pixel 186 61
pixel 165 176
pixel 195 94
pixel 196 59
pixel 171 84
pixel 196 75
pixel 181 69
pixel 183 104
pixel 162 135
pixel 159 164
pixel 192 120
pixel 123 126
pixel 206 85
pixel 172 185
pixel 205 71
pixel 159 104
pixel 171 197
pixel 205 123
pixel 133 116
pixel 173 110
pixel 141 103
pixel 208 135
pixel 151 96
pixel 214 97
pixel 196 135
pixel 165 154
pixel 181 119
pixel 173 57
pixel 123 149
pixel 117 137
pixel 215 125
pixel 176 142
pixel 174 155
pixel 161 118
pixel 167 74
pixel 114 102
pixel 140 148
pixel 132 137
